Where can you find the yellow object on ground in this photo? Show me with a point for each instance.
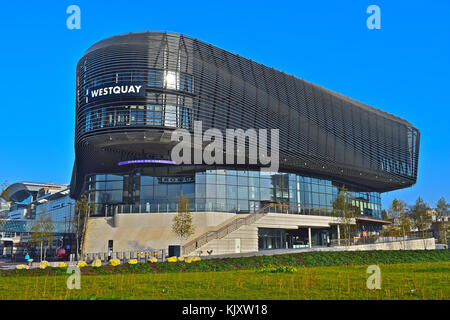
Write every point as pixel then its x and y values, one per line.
pixel 132 261
pixel 180 258
pixel 62 265
pixel 188 260
pixel 172 259
pixel 97 263
pixel 81 264
pixel 114 262
pixel 196 259
pixel 43 264
pixel 22 266
pixel 152 260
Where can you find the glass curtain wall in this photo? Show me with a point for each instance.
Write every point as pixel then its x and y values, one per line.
pixel 239 191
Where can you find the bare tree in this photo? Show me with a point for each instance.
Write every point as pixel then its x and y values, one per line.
pixel 83 209
pixel 442 212
pixel 42 232
pixel 346 213
pixel 182 223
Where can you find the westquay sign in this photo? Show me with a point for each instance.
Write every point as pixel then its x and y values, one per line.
pixel 120 89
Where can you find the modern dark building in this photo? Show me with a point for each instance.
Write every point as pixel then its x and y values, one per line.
pixel 134 89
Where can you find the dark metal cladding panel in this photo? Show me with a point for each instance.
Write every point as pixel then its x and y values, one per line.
pixel 321 132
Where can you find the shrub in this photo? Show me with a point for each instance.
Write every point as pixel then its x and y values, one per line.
pixel 132 261
pixel 43 264
pixel 172 259
pixel 152 260
pixel 114 262
pixel 22 266
pixel 81 264
pixel 278 269
pixel 97 263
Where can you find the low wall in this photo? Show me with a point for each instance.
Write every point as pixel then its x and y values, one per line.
pixel 419 244
pixel 143 231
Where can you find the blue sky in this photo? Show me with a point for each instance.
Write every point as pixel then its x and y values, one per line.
pixel 403 68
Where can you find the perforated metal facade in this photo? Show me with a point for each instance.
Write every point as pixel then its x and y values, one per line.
pixel 322 133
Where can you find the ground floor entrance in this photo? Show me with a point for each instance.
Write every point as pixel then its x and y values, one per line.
pixel 269 238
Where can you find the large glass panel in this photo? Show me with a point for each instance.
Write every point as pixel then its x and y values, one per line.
pixel 221 191
pixel 231 192
pixel 242 192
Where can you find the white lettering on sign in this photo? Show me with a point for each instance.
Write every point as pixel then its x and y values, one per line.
pixel 124 89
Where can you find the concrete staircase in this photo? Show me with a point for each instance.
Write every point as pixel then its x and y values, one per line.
pixel 229 236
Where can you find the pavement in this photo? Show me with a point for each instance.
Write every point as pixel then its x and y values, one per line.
pixel 270 252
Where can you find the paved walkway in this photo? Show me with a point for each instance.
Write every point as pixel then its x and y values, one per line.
pixel 269 252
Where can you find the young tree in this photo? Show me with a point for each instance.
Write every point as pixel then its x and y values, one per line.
pixel 345 212
pixel 420 214
pixel 42 232
pixel 182 223
pixel 82 211
pixel 442 212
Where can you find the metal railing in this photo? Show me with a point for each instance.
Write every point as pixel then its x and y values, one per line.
pixel 233 226
pixel 141 255
pixel 380 239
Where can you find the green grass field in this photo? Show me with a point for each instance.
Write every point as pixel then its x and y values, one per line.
pixel 338 280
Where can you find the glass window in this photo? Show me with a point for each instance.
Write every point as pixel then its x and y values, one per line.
pixel 231 192
pixel 253 193
pixel 170 116
pixel 242 205
pixel 243 181
pixel 200 190
pixel 221 191
pixel 146 192
pixel 186 82
pixel 171 80
pixel 211 178
pixel 265 194
pixel 220 179
pixel 200 177
pixel 160 191
pixel 242 192
pixel 231 180
pixel 155 78
pixel 265 183
pixel 231 205
pixel 210 191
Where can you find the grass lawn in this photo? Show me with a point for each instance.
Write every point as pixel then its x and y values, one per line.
pixel 430 280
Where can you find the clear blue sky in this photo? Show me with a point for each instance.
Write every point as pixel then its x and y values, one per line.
pixel 403 68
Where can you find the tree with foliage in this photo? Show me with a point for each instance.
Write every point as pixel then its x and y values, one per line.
pixel 42 232
pixel 420 214
pixel 83 208
pixel 346 213
pixel 384 215
pixel 442 212
pixel 182 223
pixel 399 213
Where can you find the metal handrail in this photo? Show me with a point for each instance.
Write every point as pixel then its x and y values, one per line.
pixel 381 239
pixel 227 229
